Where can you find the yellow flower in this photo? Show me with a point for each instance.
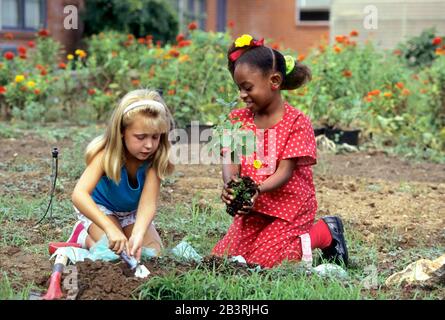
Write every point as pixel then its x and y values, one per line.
pixel 70 57
pixel 244 40
pixel 257 164
pixel 31 84
pixel 80 53
pixel 19 78
pixel 184 58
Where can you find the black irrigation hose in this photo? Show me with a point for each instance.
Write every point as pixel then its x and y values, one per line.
pixel 55 153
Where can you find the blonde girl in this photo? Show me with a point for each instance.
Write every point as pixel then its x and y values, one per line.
pixel 118 192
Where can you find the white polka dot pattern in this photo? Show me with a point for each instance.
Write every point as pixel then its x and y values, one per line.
pixel 271 234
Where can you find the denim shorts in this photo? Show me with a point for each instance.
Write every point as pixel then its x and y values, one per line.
pixel 125 218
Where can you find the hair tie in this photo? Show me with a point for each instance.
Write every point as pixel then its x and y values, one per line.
pixel 290 64
pixel 245 40
pixel 141 103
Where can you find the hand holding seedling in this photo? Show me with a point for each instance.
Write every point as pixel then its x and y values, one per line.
pixel 239 194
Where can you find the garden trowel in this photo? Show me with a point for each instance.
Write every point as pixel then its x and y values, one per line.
pixel 140 271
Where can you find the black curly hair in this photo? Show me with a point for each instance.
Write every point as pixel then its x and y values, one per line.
pixel 269 60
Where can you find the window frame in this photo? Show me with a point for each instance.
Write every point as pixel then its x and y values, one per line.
pixel 308 22
pixel 21 17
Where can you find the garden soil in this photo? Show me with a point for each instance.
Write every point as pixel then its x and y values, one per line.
pixel 376 194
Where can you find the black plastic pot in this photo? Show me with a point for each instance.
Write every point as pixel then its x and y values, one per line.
pixel 339 136
pixel 319 131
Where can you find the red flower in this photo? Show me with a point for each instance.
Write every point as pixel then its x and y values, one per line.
pixel 158 43
pixel 9 55
pixel 91 92
pixel 40 67
pixel 31 44
pixel 184 43
pixel 21 50
pixel 141 40
pixel 397 52
pixel 180 37
pixel 43 33
pixel 9 36
pixel 37 91
pixel 2 90
pixel 43 72
pixel 353 33
pixel 437 41
pixel 62 65
pixel 231 24
pixel 192 26
pixel 375 92
pixel 400 85
pixel 341 38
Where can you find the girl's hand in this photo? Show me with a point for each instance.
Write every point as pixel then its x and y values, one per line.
pixel 227 193
pixel 116 239
pixel 247 209
pixel 135 245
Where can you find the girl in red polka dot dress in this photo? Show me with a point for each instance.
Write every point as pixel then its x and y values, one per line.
pixel 279 225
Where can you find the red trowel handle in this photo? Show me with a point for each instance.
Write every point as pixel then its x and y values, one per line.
pixel 53 246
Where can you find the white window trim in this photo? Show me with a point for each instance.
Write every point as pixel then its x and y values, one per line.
pixel 308 23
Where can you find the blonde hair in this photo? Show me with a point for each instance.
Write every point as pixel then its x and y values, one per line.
pixel 160 119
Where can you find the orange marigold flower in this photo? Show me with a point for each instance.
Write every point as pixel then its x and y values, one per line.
pixel 375 92
pixel 437 41
pixel 174 53
pixel 301 57
pixel 31 44
pixel 180 37
pixel 43 72
pixel 353 33
pixel 130 37
pixel 340 39
pixel 387 94
pixel 9 36
pixel 171 92
pixel 347 73
pixel 192 26
pixel 440 52
pixel 135 82
pixel 2 90
pixel 400 85
pixel 405 92
pixel 337 49
pixel 43 33
pixel 37 91
pixel 91 92
pixel 9 55
pixel 62 65
pixel 141 40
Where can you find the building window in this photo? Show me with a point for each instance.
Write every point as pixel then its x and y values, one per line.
pixel 313 12
pixel 22 14
pixel 191 10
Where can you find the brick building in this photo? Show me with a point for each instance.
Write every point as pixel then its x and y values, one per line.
pixel 293 24
pixel 23 18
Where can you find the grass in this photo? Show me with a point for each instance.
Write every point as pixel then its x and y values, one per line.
pixel 201 224
pixel 7 292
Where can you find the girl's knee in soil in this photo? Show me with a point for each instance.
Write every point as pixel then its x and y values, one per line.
pixel 118 192
pixel 268 229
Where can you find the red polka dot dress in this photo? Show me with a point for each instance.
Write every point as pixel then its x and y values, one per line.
pixel 270 233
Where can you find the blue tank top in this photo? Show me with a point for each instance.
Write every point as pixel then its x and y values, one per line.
pixel 120 197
